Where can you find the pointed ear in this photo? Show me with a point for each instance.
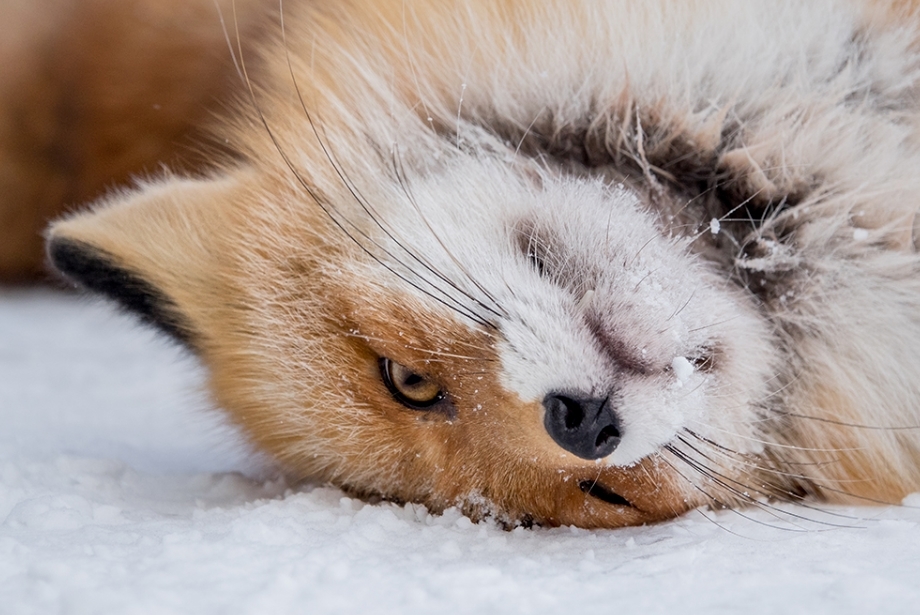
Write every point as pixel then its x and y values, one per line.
pixel 155 251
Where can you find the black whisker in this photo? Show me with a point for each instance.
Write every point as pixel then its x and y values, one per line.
pixel 325 144
pixel 782 495
pixel 309 190
pixel 723 481
pixel 723 506
pixel 403 181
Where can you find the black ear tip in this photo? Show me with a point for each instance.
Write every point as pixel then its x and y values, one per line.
pixel 77 261
pixel 99 271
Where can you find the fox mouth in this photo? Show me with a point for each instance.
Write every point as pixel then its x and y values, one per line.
pixel 598 491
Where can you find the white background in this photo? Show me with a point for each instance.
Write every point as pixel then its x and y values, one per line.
pixel 122 491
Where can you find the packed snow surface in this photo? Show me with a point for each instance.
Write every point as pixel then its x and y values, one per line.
pixel 122 491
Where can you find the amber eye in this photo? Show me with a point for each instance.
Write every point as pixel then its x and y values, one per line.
pixel 409 388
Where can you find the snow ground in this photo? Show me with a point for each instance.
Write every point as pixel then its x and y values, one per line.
pixel 121 491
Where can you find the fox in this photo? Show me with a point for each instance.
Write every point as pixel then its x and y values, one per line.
pixel 551 262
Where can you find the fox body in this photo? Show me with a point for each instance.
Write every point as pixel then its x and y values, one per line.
pixel 562 262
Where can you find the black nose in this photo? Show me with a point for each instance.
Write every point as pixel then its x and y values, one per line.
pixel 584 426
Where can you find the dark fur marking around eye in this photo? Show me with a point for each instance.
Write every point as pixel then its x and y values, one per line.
pixel 597 490
pixel 96 270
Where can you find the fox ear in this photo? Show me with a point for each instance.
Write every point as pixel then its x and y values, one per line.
pixel 155 251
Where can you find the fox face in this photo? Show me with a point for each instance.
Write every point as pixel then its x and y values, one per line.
pixel 495 344
pixel 400 287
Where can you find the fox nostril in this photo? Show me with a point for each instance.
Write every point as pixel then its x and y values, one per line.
pixel 585 426
pixel 607 434
pixel 573 412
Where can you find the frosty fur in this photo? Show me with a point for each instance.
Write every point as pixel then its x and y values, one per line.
pixel 515 198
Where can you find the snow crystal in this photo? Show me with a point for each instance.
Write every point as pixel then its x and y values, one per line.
pixel 714 226
pixel 683 369
pixel 860 234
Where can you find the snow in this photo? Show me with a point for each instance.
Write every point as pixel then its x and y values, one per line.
pixel 715 226
pixel 122 491
pixel 860 234
pixel 682 368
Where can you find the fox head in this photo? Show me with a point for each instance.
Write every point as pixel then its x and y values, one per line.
pixel 392 298
pixel 529 346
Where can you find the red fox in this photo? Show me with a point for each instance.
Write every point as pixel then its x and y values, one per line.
pixel 551 261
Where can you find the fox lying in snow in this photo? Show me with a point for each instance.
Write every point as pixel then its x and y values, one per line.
pixel 551 261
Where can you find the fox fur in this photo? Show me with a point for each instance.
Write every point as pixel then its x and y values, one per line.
pixel 552 261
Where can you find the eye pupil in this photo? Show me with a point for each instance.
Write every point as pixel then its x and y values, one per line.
pixel 409 388
pixel 413 380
